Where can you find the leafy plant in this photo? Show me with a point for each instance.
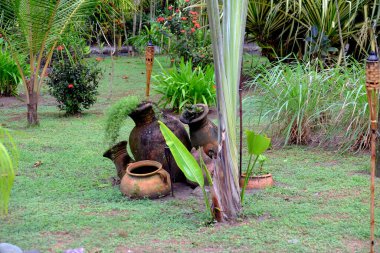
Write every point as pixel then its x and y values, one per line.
pixel 187 163
pixel 319 44
pixel 184 85
pixel 8 165
pixel 257 144
pixel 10 76
pixel 116 116
pixel 312 104
pixel 74 85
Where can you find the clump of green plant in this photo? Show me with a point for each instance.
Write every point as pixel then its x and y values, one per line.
pixel 116 116
pixel 10 76
pixel 303 103
pixel 8 165
pixel 257 144
pixel 184 85
pixel 74 84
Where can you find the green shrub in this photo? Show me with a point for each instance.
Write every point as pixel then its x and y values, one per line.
pixel 74 85
pixel 302 104
pixel 10 76
pixel 182 85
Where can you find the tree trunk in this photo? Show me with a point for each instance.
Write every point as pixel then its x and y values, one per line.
pixel 140 22
pixel 32 109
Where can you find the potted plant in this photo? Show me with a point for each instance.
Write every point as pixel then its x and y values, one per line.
pixel 259 180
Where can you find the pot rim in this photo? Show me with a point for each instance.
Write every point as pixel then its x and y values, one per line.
pixel 143 163
pixel 141 107
pixel 204 114
pixel 243 175
pixel 122 144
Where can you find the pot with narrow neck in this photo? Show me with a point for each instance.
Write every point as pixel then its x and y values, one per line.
pixel 119 155
pixel 147 143
pixel 203 133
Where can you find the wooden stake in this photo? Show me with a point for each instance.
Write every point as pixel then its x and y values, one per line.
pixel 372 87
pixel 149 58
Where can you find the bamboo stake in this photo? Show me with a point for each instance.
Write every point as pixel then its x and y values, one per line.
pixel 149 58
pixel 372 87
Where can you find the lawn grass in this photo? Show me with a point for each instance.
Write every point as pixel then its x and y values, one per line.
pixel 319 204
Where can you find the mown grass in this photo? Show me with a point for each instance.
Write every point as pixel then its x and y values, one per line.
pixel 319 204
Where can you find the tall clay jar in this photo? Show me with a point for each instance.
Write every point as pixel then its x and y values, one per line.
pixel 147 143
pixel 203 133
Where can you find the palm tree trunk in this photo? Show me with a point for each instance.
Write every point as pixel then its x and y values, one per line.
pixel 32 104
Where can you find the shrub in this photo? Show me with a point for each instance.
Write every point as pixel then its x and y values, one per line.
pixel 182 85
pixel 10 76
pixel 302 104
pixel 74 85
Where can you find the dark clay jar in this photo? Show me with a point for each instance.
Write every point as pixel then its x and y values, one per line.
pixel 147 143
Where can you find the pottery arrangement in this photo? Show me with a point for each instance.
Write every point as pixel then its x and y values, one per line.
pixel 145 179
pixel 147 143
pixel 203 133
pixel 258 182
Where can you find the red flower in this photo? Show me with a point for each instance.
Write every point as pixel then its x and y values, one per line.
pixel 193 13
pixel 192 29
pixel 184 18
pixel 60 48
pixel 177 10
pixel 170 8
pixel 183 31
pixel 197 25
pixel 194 21
pixel 70 86
pixel 187 1
pixel 160 19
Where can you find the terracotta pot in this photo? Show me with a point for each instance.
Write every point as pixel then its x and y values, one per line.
pixel 120 157
pixel 147 143
pixel 145 179
pixel 203 133
pixel 257 182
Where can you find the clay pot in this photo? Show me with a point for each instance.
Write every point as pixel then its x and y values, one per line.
pixel 257 182
pixel 145 179
pixel 147 143
pixel 203 133
pixel 120 157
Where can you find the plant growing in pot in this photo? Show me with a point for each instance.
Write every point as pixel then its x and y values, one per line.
pixel 257 144
pixel 260 179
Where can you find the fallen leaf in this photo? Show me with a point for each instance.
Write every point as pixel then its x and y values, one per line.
pixel 37 164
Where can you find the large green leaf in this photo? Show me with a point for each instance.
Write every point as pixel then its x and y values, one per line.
pixel 257 143
pixel 184 159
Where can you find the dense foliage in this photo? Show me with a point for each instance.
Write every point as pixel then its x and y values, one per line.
pixel 184 85
pixel 281 27
pixel 10 76
pixel 74 85
pixel 304 104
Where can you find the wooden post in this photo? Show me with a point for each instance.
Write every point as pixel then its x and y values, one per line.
pixel 149 58
pixel 372 87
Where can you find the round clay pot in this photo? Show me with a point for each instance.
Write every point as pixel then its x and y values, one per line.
pixel 147 143
pixel 119 155
pixel 145 179
pixel 203 133
pixel 257 182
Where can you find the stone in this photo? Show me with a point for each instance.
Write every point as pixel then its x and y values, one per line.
pixel 79 250
pixel 9 248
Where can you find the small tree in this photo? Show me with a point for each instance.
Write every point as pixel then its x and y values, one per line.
pixel 227 42
pixel 35 31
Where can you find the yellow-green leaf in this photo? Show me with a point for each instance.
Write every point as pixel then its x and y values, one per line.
pixel 257 143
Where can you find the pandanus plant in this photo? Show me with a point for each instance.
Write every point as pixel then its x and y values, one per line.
pixel 36 27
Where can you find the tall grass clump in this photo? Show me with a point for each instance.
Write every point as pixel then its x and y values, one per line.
pixel 302 103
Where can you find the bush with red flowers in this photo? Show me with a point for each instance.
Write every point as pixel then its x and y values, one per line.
pixel 188 39
pixel 74 85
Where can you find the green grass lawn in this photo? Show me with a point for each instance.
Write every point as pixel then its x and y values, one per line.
pixel 320 202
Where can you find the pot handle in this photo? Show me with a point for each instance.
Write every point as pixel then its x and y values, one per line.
pixel 163 176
